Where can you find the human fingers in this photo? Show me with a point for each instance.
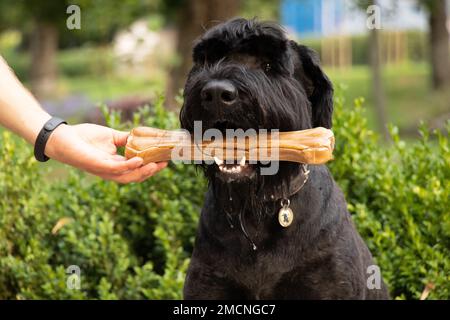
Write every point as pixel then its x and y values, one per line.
pixel 136 175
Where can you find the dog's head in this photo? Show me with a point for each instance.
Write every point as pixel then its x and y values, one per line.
pixel 248 75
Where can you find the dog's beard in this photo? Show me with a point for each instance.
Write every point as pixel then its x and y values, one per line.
pixel 258 193
pixel 264 103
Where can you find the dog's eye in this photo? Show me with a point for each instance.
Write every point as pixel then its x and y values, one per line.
pixel 267 67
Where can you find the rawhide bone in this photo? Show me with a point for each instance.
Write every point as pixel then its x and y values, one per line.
pixel 311 146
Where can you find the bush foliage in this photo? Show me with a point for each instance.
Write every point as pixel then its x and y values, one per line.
pixel 134 241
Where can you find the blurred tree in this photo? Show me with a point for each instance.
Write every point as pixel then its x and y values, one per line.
pixel 42 20
pixel 101 19
pixel 438 39
pixel 261 9
pixel 193 17
pixel 45 21
pixel 439 42
pixel 378 91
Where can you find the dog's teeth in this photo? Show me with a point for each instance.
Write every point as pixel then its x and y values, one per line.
pixel 232 169
pixel 218 161
pixel 242 162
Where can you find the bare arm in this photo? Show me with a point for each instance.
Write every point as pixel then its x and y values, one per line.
pixel 88 147
pixel 20 112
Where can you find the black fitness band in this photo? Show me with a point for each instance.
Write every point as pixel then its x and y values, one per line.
pixel 44 134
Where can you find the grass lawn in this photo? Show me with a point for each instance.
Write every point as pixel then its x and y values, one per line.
pixel 91 72
pixel 409 97
pixel 100 89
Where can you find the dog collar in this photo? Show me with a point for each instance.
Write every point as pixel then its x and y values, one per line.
pixel 297 184
pixel 285 214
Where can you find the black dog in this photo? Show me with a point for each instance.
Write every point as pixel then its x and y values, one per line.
pixel 247 74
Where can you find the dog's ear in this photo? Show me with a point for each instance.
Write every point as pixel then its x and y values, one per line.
pixel 208 50
pixel 317 85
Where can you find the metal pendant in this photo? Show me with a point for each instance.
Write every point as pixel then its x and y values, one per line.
pixel 285 215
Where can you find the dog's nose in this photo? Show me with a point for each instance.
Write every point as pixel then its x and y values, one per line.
pixel 219 91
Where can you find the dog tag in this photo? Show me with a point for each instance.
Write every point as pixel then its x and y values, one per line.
pixel 285 215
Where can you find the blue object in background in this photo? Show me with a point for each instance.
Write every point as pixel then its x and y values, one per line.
pixel 302 16
pixel 316 18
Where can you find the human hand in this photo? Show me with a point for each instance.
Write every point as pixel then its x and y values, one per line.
pixel 93 148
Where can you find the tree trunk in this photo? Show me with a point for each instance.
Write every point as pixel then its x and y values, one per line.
pixel 193 19
pixel 43 69
pixel 377 83
pixel 439 42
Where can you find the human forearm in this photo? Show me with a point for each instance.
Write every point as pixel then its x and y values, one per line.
pixel 19 110
pixel 88 147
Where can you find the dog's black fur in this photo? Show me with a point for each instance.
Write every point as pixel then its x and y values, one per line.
pixel 280 85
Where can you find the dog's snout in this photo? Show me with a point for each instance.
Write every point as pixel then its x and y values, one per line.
pixel 219 91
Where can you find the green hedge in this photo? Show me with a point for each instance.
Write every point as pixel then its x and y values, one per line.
pixel 130 241
pixel 400 198
pixel 134 241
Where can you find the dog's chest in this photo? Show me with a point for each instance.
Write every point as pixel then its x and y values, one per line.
pixel 261 271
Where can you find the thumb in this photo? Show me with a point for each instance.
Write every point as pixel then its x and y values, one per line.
pixel 120 137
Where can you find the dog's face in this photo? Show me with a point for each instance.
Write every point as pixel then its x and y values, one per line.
pixel 247 74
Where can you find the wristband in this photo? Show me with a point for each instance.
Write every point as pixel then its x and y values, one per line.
pixel 42 138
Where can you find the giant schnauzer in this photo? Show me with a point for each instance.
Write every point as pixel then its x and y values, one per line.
pixel 248 75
